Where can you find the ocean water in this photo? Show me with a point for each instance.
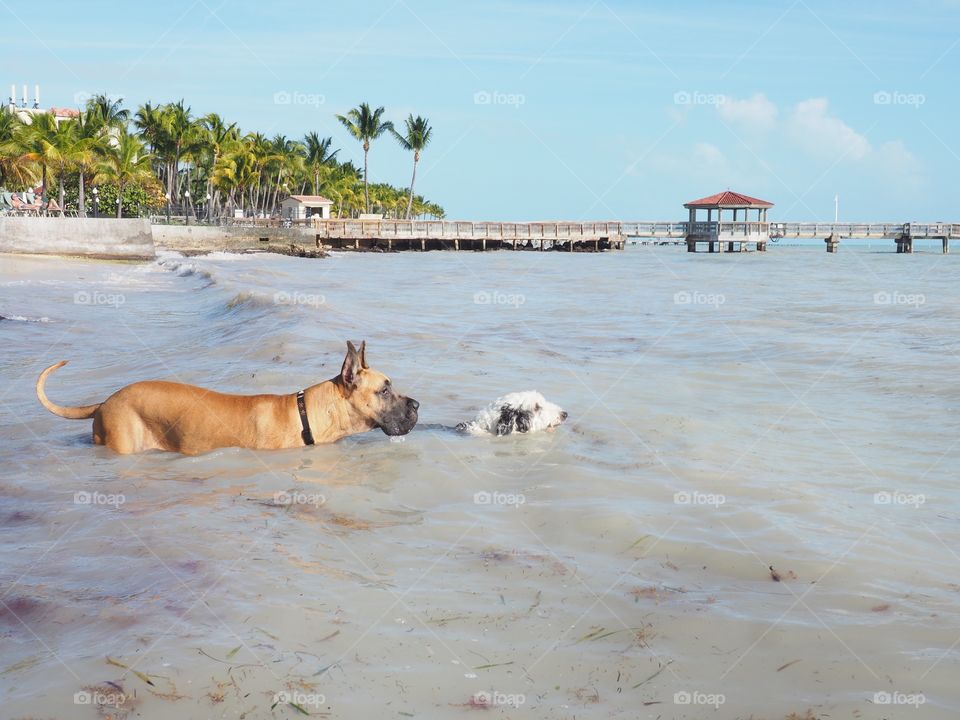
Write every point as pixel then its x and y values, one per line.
pixel 727 414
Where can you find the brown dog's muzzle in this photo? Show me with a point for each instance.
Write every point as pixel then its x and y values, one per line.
pixel 402 418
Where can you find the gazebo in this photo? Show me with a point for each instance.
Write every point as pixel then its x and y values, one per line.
pixel 734 233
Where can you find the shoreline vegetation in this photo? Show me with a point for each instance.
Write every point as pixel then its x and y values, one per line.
pixel 107 161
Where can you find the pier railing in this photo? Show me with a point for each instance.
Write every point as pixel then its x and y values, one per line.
pixel 454 229
pixel 509 231
pixel 865 230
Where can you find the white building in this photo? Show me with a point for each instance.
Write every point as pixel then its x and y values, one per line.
pixel 25 111
pixel 301 207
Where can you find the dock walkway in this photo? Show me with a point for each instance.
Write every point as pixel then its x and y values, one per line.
pixel 593 236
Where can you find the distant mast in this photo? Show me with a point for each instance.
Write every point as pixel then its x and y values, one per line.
pixel 836 209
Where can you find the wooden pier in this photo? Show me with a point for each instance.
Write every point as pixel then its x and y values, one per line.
pixel 717 236
pixel 392 235
pixel 903 234
pixel 735 236
pixel 734 222
pixel 726 236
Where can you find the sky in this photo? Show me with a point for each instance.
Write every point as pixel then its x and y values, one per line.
pixel 587 109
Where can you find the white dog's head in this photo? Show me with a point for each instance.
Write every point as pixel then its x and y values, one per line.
pixel 521 412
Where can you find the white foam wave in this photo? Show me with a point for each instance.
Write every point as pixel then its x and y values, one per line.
pixel 22 318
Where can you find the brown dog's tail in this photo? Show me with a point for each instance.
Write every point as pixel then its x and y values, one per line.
pixel 71 413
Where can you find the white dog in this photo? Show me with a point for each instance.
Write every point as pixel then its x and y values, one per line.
pixel 521 412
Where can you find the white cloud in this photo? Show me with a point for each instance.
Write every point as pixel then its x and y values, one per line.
pixel 887 169
pixel 815 130
pixel 705 161
pixel 755 113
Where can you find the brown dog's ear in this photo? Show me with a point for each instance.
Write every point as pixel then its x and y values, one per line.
pixel 351 366
pixel 363 354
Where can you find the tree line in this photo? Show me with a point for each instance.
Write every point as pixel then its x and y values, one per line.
pixel 162 155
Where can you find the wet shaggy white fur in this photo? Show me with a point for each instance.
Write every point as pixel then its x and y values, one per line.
pixel 522 412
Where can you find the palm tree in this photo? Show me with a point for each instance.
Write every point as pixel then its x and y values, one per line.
pixel 126 162
pixel 318 156
pixel 206 156
pixel 149 121
pixel 236 172
pixel 35 144
pixel 92 140
pixel 416 139
pixel 64 147
pixel 365 125
pixel 16 171
pixel 342 182
pixel 108 113
pixel 218 138
pixel 167 128
pixel 261 153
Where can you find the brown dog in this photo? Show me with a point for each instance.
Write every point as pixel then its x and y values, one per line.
pixel 158 415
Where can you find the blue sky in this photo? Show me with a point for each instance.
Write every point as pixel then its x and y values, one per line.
pixel 594 109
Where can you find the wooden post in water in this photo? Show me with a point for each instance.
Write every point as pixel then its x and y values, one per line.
pixel 904 244
pixel 946 245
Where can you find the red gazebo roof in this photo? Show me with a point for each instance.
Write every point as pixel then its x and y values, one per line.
pixel 728 199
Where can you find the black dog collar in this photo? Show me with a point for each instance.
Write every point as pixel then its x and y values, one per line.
pixel 304 422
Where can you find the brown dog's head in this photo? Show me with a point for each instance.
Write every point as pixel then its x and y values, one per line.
pixel 372 395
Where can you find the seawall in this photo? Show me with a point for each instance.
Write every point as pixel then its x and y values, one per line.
pixel 103 238
pixel 206 238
